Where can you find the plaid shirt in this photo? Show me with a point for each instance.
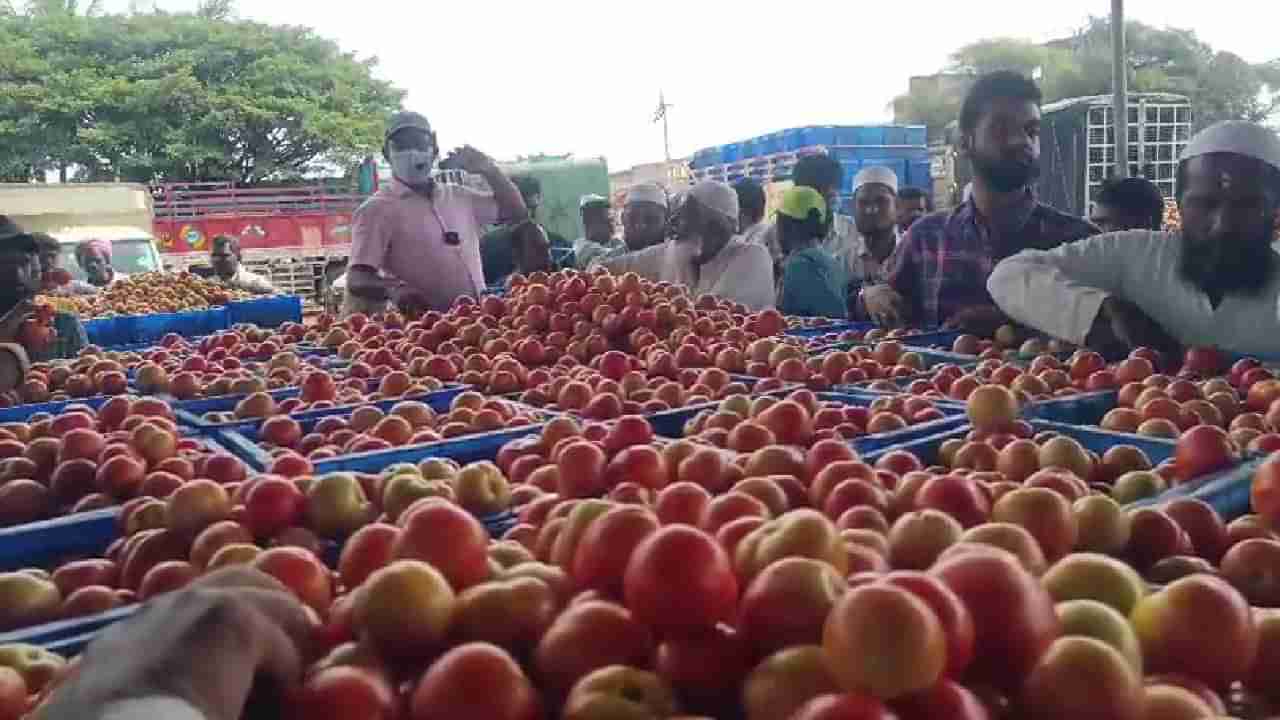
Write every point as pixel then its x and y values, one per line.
pixel 942 265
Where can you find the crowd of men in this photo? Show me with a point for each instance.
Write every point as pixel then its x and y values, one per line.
pixel 1001 256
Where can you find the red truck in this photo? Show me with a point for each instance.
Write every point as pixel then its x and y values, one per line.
pixel 299 237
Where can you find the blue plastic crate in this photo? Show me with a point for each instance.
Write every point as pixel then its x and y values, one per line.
pixel 1228 492
pixel 265 312
pixel 860 135
pixel 1094 439
pixel 1081 409
pixel 150 328
pixel 107 332
pixel 41 543
pixel 20 413
pixel 932 339
pixel 190 412
pixel 917 135
pixel 49 634
pixel 471 448
pixel 241 436
pixel 671 424
pixel 836 326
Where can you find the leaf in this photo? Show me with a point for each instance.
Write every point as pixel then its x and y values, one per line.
pixel 180 97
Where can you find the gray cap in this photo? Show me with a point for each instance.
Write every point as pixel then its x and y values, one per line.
pixel 1238 138
pixel 407 119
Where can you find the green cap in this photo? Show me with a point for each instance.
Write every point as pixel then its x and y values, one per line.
pixel 798 201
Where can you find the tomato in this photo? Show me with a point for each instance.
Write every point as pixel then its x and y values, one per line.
pixel 884 640
pixel 788 604
pixel 587 636
pixel 944 700
pixel 957 623
pixel 618 691
pixel 474 680
pixel 512 613
pixel 678 556
pixel 344 692
pixel 707 670
pixel 1202 450
pixel 1013 615
pixel 1264 495
pixel 851 706
pixel 607 545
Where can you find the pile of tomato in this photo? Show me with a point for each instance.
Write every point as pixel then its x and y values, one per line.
pixel 760 568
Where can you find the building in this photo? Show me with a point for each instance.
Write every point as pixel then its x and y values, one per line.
pixel 673 176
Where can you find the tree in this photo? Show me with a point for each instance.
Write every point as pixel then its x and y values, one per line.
pixel 55 8
pixel 1220 84
pixel 216 9
pixel 161 97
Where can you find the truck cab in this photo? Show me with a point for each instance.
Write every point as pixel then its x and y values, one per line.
pixel 120 213
pixel 132 251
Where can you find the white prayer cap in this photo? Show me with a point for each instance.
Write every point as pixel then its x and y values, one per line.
pixel 1238 138
pixel 717 196
pixel 877 174
pixel 647 192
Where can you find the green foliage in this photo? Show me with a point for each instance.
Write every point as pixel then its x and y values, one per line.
pixel 1221 85
pixel 183 97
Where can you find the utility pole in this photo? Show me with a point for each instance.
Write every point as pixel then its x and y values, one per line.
pixel 1120 86
pixel 661 114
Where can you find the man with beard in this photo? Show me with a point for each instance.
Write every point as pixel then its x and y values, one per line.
pixel 938 273
pixel 913 204
pixel 863 255
pixel 707 256
pixel 1215 283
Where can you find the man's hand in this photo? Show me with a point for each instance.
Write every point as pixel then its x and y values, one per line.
pixel 210 645
pixel 1122 326
pixel 884 305
pixel 363 282
pixel 409 301
pixel 471 160
pixel 980 320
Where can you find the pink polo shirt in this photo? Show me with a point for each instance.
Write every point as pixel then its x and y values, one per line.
pixel 401 233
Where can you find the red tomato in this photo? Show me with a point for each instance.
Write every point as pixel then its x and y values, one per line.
pixel 344 692
pixel 1013 614
pixel 1265 493
pixel 678 556
pixel 1202 450
pixel 474 680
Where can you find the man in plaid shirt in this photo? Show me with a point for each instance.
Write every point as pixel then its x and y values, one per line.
pixel 938 274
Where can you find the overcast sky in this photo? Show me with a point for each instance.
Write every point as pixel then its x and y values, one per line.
pixel 583 77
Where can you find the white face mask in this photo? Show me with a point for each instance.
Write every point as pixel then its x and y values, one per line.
pixel 412 167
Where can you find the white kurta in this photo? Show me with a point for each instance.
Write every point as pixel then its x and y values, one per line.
pixel 1059 292
pixel 740 272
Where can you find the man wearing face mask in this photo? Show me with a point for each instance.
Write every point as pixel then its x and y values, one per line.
pixel 1214 283
pixel 938 274
pixel 417 242
pixel 707 256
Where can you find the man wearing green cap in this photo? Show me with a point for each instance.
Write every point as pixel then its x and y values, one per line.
pixel 813 283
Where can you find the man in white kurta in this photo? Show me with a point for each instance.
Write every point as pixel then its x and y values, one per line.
pixel 707 256
pixel 1214 283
